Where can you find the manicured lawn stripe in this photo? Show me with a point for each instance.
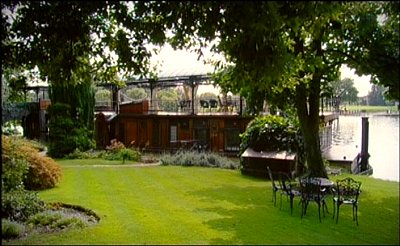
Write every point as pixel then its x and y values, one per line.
pixel 194 205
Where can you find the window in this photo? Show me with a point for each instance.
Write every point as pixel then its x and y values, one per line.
pixel 232 139
pixel 174 133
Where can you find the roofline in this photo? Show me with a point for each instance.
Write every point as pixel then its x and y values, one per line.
pixel 196 77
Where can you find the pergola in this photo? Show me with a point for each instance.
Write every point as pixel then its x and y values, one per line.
pixel 152 84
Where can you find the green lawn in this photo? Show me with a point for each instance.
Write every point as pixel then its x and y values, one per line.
pixel 193 205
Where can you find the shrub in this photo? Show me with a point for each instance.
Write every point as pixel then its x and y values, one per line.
pixel 43 172
pixel 12 127
pixel 90 154
pixel 84 139
pixel 11 229
pixel 117 151
pixel 69 222
pixel 44 218
pixel 35 145
pixel 17 203
pixel 128 154
pixel 66 132
pixel 55 220
pixel 271 133
pixel 192 158
pixel 20 204
pixel 13 174
pixel 115 146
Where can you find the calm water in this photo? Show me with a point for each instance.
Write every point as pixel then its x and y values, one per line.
pixel 383 141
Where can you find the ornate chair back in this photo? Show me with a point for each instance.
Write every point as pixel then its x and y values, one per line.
pixel 347 192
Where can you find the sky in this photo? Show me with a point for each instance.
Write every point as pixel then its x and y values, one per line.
pixel 184 62
pixel 362 84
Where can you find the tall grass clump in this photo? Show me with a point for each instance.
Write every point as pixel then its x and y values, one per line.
pixel 56 220
pixel 201 159
pixel 11 229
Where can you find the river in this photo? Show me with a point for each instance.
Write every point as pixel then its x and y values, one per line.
pixel 383 144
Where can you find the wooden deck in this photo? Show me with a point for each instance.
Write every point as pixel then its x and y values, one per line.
pixel 342 156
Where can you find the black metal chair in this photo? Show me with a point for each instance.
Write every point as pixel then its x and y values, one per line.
pixel 346 192
pixel 204 104
pixel 184 104
pixel 213 103
pixel 311 190
pixel 275 187
pixel 288 188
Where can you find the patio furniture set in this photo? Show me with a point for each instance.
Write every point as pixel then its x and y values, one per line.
pixel 316 189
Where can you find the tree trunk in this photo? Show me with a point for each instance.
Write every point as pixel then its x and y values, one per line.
pixel 308 113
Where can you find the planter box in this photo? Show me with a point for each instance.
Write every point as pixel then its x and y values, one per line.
pixel 135 107
pixel 255 163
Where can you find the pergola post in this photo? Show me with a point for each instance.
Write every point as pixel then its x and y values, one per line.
pixel 152 84
pixel 192 82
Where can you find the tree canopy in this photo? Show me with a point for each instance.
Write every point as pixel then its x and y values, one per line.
pixel 341 91
pixel 374 43
pixel 285 52
pixel 74 45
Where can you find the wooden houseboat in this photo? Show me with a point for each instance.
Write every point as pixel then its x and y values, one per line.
pixel 193 123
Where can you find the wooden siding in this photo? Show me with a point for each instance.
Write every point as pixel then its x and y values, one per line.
pixel 153 132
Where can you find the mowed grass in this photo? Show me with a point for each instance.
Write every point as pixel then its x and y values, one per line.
pixel 194 205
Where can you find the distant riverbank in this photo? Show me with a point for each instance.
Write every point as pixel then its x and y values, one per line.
pixel 365 109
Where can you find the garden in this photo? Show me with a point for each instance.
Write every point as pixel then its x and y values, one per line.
pixel 130 202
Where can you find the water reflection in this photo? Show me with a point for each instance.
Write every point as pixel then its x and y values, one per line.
pixel 383 141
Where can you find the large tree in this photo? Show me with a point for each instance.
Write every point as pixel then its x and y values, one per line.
pixel 341 91
pixel 281 51
pixel 276 48
pixel 285 52
pixel 372 34
pixel 74 45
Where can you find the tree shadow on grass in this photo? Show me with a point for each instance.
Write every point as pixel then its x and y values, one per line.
pixel 246 215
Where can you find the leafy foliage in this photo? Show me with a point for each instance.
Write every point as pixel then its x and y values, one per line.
pixel 103 96
pixel 285 52
pixel 19 204
pixel 340 91
pixel 13 173
pixel 11 229
pixel 167 99
pixel 376 96
pixel 42 172
pixel 207 96
pixel 74 45
pixel 115 146
pixel 16 202
pixel 373 43
pixel 67 134
pixel 202 159
pixel 55 220
pixel 281 51
pixel 271 133
pixel 90 154
pixel 117 151
pixel 136 93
